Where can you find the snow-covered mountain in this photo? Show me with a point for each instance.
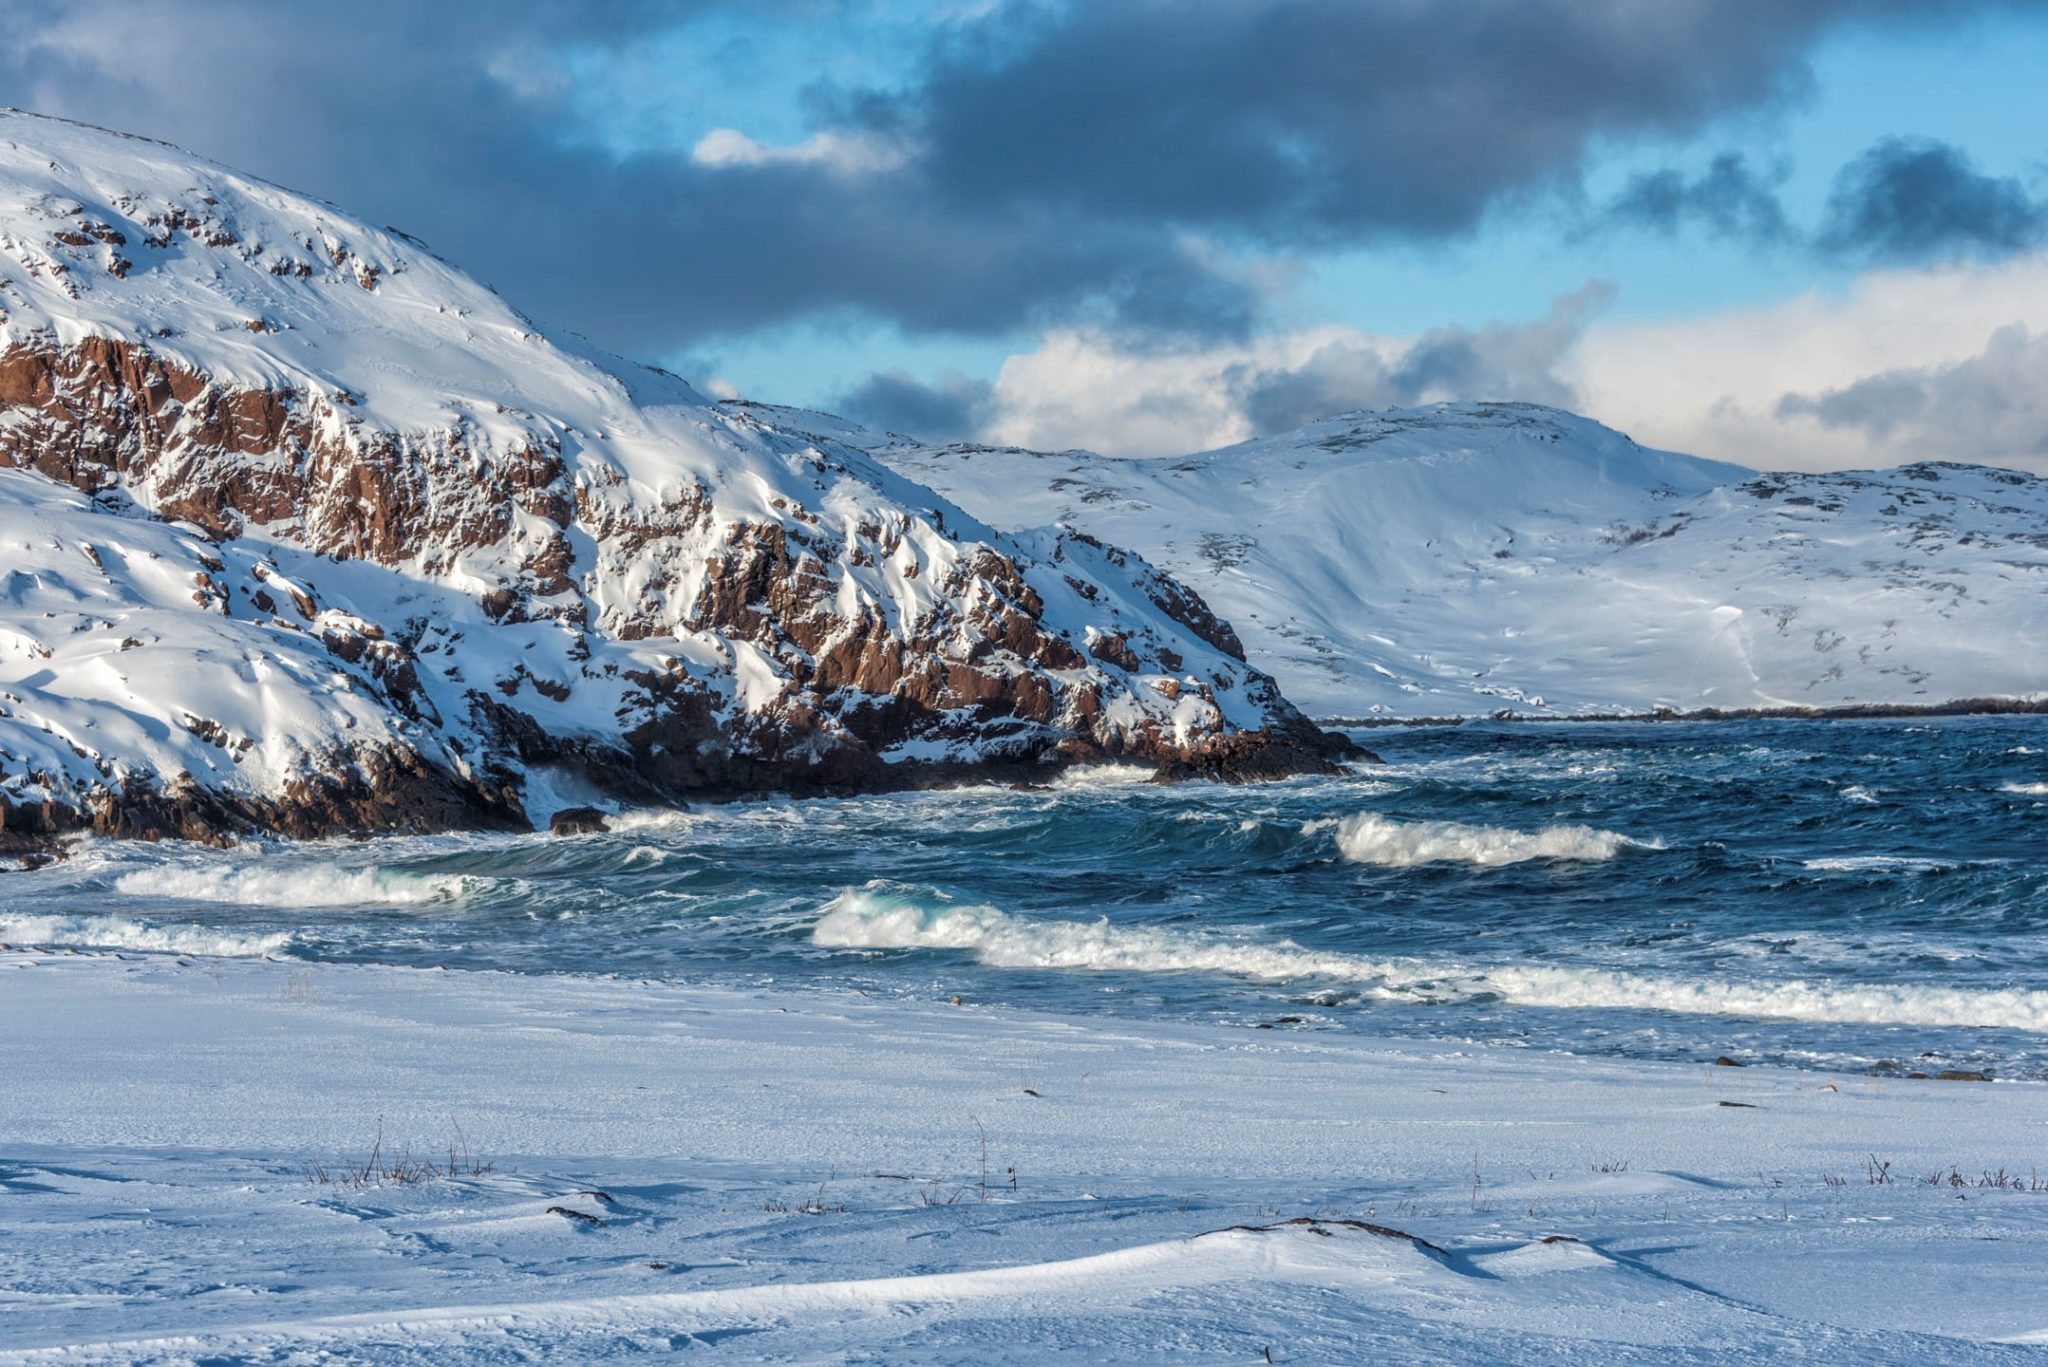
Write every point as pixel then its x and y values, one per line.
pixel 1461 558
pixel 307 530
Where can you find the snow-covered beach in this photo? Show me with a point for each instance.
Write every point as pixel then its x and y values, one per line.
pixel 818 1176
pixel 1040 713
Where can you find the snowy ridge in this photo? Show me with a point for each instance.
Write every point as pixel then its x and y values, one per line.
pixel 1461 558
pixel 417 537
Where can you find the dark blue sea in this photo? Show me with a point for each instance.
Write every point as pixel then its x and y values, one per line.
pixel 1850 895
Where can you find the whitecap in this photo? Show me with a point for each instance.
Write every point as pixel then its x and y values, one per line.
pixel 1880 863
pixel 119 932
pixel 651 819
pixel 2024 789
pixel 875 917
pixel 1105 776
pixel 292 884
pixel 1837 1003
pixel 1857 793
pixel 879 917
pixel 1372 839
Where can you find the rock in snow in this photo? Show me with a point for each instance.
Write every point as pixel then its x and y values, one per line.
pixel 307 531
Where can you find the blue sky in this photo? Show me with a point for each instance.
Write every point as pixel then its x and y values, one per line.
pixel 1977 85
pixel 959 217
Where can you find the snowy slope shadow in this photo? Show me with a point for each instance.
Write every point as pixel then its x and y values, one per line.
pixel 1305 1290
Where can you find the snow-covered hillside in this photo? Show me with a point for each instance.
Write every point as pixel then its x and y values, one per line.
pixel 1461 558
pixel 307 529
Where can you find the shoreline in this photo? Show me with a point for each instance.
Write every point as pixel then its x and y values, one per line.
pixel 33 836
pixel 806 1174
pixel 1962 707
pixel 426 802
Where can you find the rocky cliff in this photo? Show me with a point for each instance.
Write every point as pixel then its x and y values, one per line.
pixel 301 529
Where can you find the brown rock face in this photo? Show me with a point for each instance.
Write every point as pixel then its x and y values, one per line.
pixel 225 458
pixel 552 558
pixel 981 663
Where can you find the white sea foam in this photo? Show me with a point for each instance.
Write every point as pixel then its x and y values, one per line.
pixel 1864 1004
pixel 1880 863
pixel 119 932
pixel 652 819
pixel 291 884
pixel 1857 793
pixel 876 918
pixel 2025 789
pixel 1105 776
pixel 1372 839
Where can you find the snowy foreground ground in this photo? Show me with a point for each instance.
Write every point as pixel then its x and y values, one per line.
pixel 801 1178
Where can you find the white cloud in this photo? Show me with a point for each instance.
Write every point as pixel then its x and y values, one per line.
pixel 853 153
pixel 1957 353
pixel 1081 388
pixel 1714 385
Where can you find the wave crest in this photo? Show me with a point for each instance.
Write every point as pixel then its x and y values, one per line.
pixel 294 885
pixel 1845 1003
pixel 118 932
pixel 879 917
pixel 1088 776
pixel 874 917
pixel 1369 838
pixel 1880 863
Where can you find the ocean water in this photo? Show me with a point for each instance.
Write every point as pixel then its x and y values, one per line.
pixel 1853 895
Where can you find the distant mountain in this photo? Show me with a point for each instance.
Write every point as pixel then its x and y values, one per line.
pixel 1461 558
pixel 306 531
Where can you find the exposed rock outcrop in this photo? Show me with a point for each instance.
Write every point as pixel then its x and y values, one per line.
pixel 343 543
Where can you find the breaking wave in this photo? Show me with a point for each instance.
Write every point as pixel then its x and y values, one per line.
pixel 1105 776
pixel 1867 1004
pixel 296 885
pixel 2025 789
pixel 1880 863
pixel 1372 839
pixel 875 917
pixel 118 932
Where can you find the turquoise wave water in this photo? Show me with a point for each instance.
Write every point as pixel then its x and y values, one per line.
pixel 1844 894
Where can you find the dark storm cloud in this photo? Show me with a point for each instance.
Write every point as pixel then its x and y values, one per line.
pixel 1903 201
pixel 1878 404
pixel 954 408
pixel 1500 361
pixel 1729 199
pixel 1914 199
pixel 1987 408
pixel 1308 120
pixel 1056 162
pixel 447 120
